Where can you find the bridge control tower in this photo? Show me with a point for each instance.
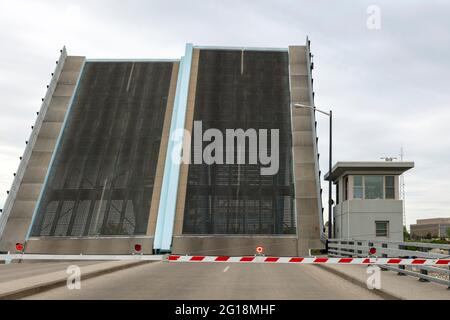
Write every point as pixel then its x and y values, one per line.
pixel 368 202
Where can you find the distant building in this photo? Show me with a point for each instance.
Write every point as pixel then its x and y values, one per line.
pixel 368 204
pixel 434 228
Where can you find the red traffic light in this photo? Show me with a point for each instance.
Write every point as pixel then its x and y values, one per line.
pixel 19 247
pixel 137 248
pixel 259 249
pixel 372 251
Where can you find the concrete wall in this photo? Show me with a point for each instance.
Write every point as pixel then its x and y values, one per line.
pixel 32 171
pixel 234 245
pixel 89 245
pixel 306 167
pixel 363 214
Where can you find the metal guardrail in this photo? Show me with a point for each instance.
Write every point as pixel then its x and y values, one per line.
pixel 391 249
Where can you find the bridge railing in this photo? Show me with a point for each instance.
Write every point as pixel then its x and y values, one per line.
pixel 393 249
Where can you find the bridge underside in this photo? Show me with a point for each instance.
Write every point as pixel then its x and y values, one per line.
pixel 104 183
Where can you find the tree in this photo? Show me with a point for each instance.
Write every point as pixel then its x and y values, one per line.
pixel 448 233
pixel 406 235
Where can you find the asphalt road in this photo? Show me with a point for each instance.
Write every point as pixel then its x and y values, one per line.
pixel 15 271
pixel 215 281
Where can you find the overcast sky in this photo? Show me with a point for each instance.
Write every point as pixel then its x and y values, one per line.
pixel 388 87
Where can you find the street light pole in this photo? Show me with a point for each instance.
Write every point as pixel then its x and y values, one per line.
pixel 330 166
pixel 330 183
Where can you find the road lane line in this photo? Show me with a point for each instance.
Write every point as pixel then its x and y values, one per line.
pixel 226 269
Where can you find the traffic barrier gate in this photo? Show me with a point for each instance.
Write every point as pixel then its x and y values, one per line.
pixel 230 259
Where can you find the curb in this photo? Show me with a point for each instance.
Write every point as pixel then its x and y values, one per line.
pixel 32 290
pixel 381 293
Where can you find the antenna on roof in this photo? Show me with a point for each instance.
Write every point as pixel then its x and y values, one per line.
pixel 389 159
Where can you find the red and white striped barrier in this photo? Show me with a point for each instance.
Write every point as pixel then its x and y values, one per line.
pixel 229 259
pixel 289 260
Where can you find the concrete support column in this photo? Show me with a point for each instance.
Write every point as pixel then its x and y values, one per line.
pixel 307 183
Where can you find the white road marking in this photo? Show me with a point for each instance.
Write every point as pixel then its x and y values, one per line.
pixel 226 269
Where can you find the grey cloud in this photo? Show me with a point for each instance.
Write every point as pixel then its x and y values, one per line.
pixel 386 87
